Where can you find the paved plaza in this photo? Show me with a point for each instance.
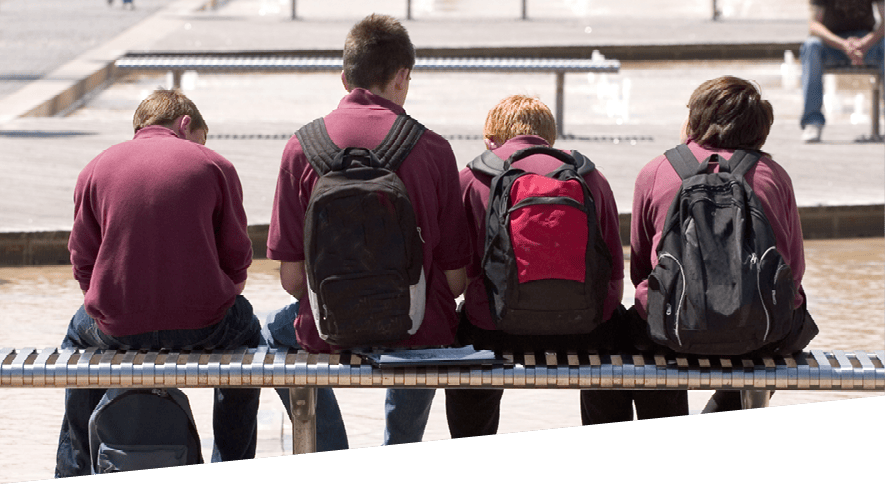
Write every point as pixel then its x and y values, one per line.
pixel 621 121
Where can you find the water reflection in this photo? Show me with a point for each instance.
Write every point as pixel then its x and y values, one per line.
pixel 845 283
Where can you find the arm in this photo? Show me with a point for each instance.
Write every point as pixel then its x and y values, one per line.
pixel 818 29
pixel 616 289
pixel 457 280
pixel 293 279
pixel 86 233
pixel 865 43
pixel 231 230
pixel 641 228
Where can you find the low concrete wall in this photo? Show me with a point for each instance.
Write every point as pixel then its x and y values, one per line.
pixel 51 248
pixel 843 222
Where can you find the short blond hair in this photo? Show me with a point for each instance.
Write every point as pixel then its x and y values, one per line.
pixel 519 115
pixel 164 106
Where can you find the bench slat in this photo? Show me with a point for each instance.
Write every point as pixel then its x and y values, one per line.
pixel 267 367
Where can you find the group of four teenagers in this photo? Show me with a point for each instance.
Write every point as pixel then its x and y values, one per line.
pixel 160 245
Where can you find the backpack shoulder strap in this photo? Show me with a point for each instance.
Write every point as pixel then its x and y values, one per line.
pixel 684 162
pixel 583 164
pixel 740 162
pixel 400 140
pixel 562 156
pixel 318 147
pixel 488 163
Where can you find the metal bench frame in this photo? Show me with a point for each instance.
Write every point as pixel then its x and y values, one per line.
pixel 875 94
pixel 303 372
pixel 239 62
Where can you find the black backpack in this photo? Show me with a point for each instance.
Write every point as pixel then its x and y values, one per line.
pixel 363 249
pixel 548 278
pixel 720 286
pixel 137 429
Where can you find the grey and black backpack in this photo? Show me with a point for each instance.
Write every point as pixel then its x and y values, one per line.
pixel 720 286
pixel 364 253
pixel 137 429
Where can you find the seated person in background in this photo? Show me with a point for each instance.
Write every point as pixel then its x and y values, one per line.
pixel 160 249
pixel 842 32
pixel 725 114
pixel 516 123
pixel 378 61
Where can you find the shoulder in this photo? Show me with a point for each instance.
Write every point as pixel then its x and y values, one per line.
pixel 432 153
pixel 434 141
pixel 655 169
pixel 769 172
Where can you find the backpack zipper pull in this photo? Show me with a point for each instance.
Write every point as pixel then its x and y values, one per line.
pixel 419 235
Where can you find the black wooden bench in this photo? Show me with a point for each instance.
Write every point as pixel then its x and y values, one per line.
pixel 240 62
pixel 303 372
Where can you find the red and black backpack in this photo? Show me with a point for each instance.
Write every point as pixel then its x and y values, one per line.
pixel 545 264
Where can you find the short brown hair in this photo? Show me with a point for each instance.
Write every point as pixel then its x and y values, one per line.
pixel 163 107
pixel 376 48
pixel 519 115
pixel 729 113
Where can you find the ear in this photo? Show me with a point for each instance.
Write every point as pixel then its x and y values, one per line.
pixel 344 81
pixel 184 126
pixel 683 133
pixel 401 78
pixel 490 144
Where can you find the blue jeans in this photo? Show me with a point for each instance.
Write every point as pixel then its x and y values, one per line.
pixel 235 412
pixel 280 332
pixel 815 55
pixel 406 411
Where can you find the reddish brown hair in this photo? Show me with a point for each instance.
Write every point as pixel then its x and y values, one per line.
pixel 163 107
pixel 519 115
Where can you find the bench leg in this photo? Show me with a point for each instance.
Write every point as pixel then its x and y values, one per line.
pixel 303 402
pixel 176 78
pixel 874 112
pixel 560 101
pixel 755 398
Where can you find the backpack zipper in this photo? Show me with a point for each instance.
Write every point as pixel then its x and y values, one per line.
pixel 681 296
pixel 759 288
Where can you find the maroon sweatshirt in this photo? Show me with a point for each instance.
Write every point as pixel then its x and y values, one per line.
pixel 159 238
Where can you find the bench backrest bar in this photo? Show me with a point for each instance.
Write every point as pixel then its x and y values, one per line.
pixel 267 367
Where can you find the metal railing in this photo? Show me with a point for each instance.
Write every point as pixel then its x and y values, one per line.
pixel 178 63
